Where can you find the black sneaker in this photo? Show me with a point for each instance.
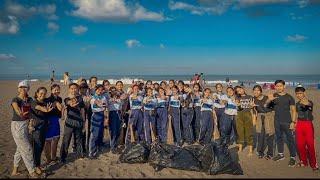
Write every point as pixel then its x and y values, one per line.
pixel 278 157
pixel 292 162
pixel 260 155
pixel 268 157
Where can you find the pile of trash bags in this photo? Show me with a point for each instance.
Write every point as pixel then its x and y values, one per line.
pixel 213 158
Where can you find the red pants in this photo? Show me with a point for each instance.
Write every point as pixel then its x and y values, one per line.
pixel 305 143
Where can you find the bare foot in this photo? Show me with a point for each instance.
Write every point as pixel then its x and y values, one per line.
pixel 15 172
pixel 240 147
pixel 38 170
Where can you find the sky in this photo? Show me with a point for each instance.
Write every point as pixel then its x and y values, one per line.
pixel 159 37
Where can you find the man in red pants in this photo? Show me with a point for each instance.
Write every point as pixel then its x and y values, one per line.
pixel 304 130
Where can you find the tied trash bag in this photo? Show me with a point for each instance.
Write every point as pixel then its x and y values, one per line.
pixel 223 163
pixel 170 156
pixel 135 153
pixel 204 154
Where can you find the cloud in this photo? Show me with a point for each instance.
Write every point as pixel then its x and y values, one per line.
pixel 9 25
pixel 85 49
pixel 246 3
pixel 21 11
pixel 79 29
pixel 133 43
pixel 206 7
pixel 113 11
pixel 218 7
pixel 296 38
pixel 303 3
pixel 162 46
pixel 53 27
pixel 7 57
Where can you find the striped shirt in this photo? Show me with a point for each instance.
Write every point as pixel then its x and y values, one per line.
pixel 196 100
pixel 135 103
pixel 231 107
pixel 162 103
pixel 174 102
pixel 94 106
pixel 150 103
pixel 220 97
pixel 207 104
pixel 114 105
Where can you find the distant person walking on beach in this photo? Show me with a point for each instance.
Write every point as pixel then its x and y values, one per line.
pixel 304 130
pixel 285 121
pixel 21 106
pixel 52 79
pixel 66 79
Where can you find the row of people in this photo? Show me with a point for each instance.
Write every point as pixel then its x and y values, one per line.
pixel 196 116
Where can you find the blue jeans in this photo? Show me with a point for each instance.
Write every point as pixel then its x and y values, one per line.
pixel 136 120
pixel 149 119
pixel 187 116
pixel 162 124
pixel 206 128
pixel 176 124
pixel 114 129
pixel 97 120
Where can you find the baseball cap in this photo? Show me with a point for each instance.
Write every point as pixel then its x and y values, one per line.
pixel 23 83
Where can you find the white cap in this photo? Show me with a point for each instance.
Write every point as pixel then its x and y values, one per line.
pixel 23 83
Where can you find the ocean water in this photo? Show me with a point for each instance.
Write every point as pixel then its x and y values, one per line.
pixel 303 79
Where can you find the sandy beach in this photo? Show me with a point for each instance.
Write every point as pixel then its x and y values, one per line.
pixel 107 166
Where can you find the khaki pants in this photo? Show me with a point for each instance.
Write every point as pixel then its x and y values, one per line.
pixel 19 130
pixel 265 120
pixel 244 127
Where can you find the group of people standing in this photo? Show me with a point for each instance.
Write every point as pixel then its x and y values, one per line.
pixel 145 111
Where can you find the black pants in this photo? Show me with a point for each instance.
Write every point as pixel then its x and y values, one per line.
pixel 285 129
pixel 38 140
pixel 67 134
pixel 265 141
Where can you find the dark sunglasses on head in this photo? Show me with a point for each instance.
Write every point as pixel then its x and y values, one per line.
pixel 24 87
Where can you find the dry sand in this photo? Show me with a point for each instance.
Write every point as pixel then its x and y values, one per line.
pixel 106 166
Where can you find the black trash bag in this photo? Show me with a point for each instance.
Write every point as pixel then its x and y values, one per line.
pixel 170 156
pixel 223 163
pixel 204 154
pixel 135 153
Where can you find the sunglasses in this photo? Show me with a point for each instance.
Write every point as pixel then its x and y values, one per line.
pixel 23 87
